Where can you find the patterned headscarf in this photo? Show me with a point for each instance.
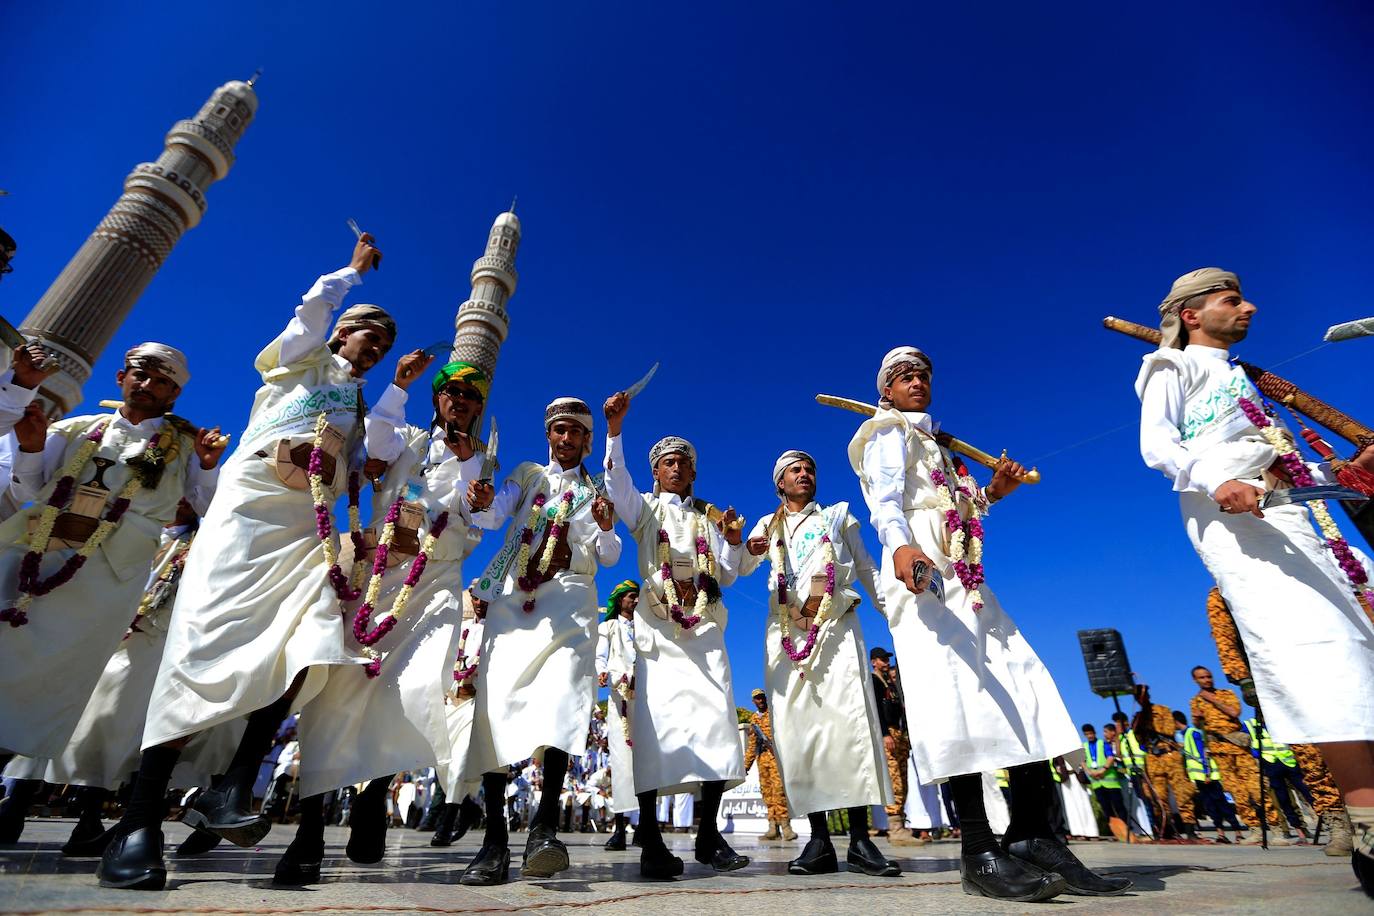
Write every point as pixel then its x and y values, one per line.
pixel 574 409
pixel 785 461
pixel 613 602
pixel 897 361
pixel 161 359
pixel 669 445
pixel 370 315
pixel 1173 335
pixel 470 375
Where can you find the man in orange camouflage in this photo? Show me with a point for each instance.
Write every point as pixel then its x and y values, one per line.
pixel 1164 767
pixel 1217 713
pixel 760 748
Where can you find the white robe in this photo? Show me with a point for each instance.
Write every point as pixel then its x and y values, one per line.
pixel 14 399
pixel 825 718
pixel 458 771
pixel 255 607
pixel 76 627
pixel 684 726
pixel 1294 608
pixel 536 680
pixel 1078 807
pixel 994 705
pixel 925 809
pixel 359 728
pixel 617 637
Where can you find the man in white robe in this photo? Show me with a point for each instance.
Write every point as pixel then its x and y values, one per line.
pixel 73 610
pixel 994 705
pixel 615 669
pixel 25 368
pixel 536 679
pixel 1294 602
pixel 257 615
pixel 825 717
pixel 683 722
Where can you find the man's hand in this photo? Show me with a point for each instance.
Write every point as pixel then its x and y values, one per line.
pixel 364 254
pixel 904 560
pixel 602 679
pixel 757 546
pixel 1237 498
pixel 32 365
pixel 889 744
pixel 480 495
pixel 32 429
pixel 1006 478
pixel 1364 458
pixel 373 469
pixel 603 510
pixel 733 534
pixel 615 408
pixel 210 445
pixel 410 367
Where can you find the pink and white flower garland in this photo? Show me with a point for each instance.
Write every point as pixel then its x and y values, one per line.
pixel 346 590
pixel 705 566
pixel 965 535
pixel 1301 476
pixel 624 690
pixel 526 580
pixel 463 674
pixel 798 656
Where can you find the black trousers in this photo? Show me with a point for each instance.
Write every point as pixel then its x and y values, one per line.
pixel 1112 801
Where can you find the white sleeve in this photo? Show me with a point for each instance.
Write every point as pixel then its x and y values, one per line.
pixel 13 399
pixel 603 647
pixel 504 503
pixel 309 329
pixel 32 470
pixel 865 570
pixel 748 563
pixel 200 485
pixel 728 560
pixel 884 465
pixel 1161 442
pixel 384 427
pixel 607 547
pixel 629 504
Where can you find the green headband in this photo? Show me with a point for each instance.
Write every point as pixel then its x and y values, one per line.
pixel 629 585
pixel 463 372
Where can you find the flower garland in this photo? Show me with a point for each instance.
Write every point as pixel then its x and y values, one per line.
pixel 1301 476
pixel 625 690
pixel 463 674
pixel 525 579
pixel 387 622
pixel 705 577
pixel 965 535
pixel 346 589
pixel 798 656
pixel 157 595
pixel 30 585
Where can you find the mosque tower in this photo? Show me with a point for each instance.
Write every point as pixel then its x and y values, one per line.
pixel 80 313
pixel 482 322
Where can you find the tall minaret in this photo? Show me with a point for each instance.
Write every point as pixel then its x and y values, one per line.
pixel 80 312
pixel 482 322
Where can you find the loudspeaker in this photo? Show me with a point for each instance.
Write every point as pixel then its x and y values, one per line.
pixel 1104 655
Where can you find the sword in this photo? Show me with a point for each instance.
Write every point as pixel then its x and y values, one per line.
pixel 353 224
pixel 489 459
pixel 639 386
pixel 12 339
pixel 437 349
pixel 1306 494
pixel 945 439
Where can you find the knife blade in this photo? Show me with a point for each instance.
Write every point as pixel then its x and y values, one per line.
pixel 1305 494
pixel 353 224
pixel 489 459
pixel 639 386
pixel 438 348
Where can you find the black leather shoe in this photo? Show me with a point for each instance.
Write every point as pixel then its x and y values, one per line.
pixel 865 857
pixel 198 844
pixel 717 853
pixel 228 810
pixel 1052 856
pixel 444 829
pixel 367 829
pixel 617 841
pixel 86 844
pixel 658 864
pixel 14 807
pixel 817 858
pixel 469 816
pixel 1002 876
pixel 545 854
pixel 295 869
pixel 1363 866
pixel 492 866
pixel 134 861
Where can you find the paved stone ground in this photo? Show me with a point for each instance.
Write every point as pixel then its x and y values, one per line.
pixel 414 878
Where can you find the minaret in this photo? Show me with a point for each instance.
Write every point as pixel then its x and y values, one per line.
pixel 80 312
pixel 482 322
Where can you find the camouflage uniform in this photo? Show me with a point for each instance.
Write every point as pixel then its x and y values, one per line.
pixel 1165 769
pixel 1239 769
pixel 770 778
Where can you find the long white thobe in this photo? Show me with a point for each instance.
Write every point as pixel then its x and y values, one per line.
pixel 615 657
pixel 14 399
pixel 76 627
pixel 994 704
pixel 255 607
pixel 1295 609
pixel 825 718
pixel 683 723
pixel 359 728
pixel 536 680
pixel 457 774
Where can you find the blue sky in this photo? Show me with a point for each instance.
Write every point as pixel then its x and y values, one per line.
pixel 764 198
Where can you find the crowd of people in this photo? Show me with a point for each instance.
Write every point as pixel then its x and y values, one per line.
pixel 193 602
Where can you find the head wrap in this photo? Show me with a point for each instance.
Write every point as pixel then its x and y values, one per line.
pixel 758 692
pixel 785 461
pixel 896 361
pixel 573 409
pixel 470 375
pixel 365 315
pixel 161 359
pixel 669 445
pixel 1173 335
pixel 613 602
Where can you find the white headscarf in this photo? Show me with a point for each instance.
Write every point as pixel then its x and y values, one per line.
pixel 161 359
pixel 896 359
pixel 785 461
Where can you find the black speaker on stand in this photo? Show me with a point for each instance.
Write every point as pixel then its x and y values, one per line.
pixel 1109 671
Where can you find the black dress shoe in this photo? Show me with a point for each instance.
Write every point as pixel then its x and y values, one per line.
pixel 545 854
pixel 85 844
pixel 658 864
pixel 717 853
pixel 865 857
pixel 134 861
pixel 469 816
pixel 228 810
pixel 1053 856
pixel 367 830
pixel 492 866
pixel 297 869
pixel 198 844
pixel 617 841
pixel 14 807
pixel 1002 876
pixel 1363 866
pixel 443 830
pixel 817 858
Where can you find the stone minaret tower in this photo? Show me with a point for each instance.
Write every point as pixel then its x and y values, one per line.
pixel 80 312
pixel 482 322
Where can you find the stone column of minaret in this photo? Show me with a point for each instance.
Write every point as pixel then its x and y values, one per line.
pixel 482 322
pixel 79 314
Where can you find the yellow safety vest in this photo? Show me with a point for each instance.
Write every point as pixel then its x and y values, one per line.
pixel 1266 748
pixel 1054 772
pixel 1097 757
pixel 1194 753
pixel 1002 779
pixel 1131 752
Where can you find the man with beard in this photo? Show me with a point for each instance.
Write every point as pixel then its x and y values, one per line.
pixel 615 668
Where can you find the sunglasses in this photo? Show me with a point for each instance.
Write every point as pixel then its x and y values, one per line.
pixel 462 393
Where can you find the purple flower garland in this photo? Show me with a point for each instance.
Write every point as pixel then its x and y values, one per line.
pixel 363 615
